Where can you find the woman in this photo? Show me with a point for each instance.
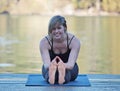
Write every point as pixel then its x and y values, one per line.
pixel 59 52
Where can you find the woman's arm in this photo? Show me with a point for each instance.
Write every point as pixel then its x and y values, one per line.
pixel 44 47
pixel 75 47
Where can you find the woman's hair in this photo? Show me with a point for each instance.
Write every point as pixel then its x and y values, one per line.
pixel 54 20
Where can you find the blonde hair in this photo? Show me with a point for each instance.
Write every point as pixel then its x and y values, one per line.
pixel 54 20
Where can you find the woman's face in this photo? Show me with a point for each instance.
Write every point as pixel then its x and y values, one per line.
pixel 58 31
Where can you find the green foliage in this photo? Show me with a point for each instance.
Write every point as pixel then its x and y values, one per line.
pixel 84 4
pixel 106 5
pixel 75 4
pixel 4 5
pixel 111 5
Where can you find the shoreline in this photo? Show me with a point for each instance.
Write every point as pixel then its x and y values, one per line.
pixel 84 13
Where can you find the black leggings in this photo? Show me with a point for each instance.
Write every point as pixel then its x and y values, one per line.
pixel 70 75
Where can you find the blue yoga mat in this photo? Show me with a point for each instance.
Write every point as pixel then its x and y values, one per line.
pixel 38 80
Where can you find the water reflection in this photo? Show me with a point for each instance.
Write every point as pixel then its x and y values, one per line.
pixel 6 65
pixel 20 36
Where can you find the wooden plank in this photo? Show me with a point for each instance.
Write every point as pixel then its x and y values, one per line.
pixel 99 82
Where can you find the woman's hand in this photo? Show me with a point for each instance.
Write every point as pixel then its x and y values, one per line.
pixel 57 61
pixel 60 61
pixel 54 61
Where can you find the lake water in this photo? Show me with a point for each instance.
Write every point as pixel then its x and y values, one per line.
pixel 99 36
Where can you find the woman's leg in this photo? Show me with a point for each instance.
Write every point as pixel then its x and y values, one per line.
pixel 65 75
pixel 70 75
pixel 74 72
pixel 49 74
pixel 45 73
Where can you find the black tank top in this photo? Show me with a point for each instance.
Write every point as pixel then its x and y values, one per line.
pixel 63 56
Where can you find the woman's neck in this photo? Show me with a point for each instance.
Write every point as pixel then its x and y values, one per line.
pixel 62 39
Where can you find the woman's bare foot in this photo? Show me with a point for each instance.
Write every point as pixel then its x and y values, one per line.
pixel 61 70
pixel 52 71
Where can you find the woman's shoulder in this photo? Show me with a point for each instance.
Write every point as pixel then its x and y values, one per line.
pixel 72 36
pixel 44 41
pixel 73 39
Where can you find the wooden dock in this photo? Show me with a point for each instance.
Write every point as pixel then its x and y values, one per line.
pixel 99 82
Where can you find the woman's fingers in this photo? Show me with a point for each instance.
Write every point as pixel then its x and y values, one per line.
pixel 54 61
pixel 58 58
